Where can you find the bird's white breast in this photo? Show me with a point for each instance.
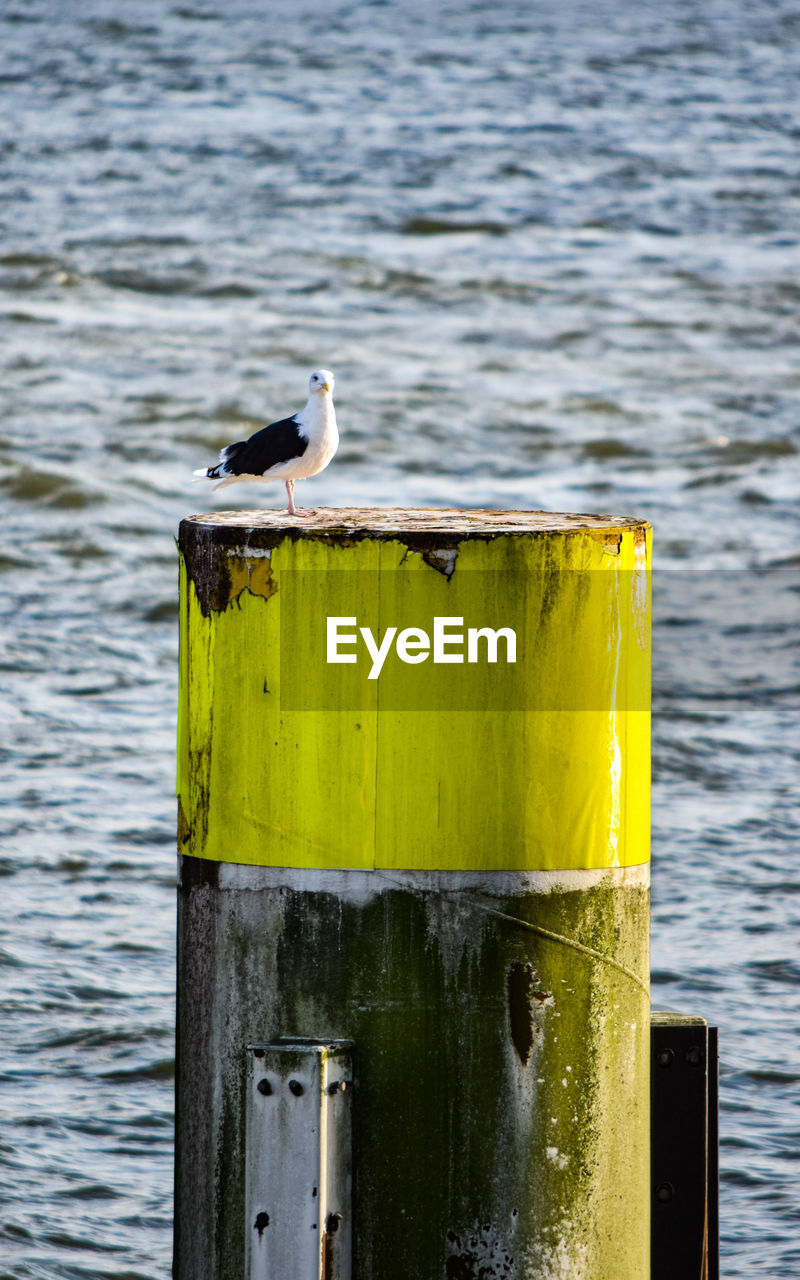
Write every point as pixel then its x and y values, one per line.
pixel 318 422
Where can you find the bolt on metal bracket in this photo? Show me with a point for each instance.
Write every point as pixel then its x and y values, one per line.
pixel 298 1160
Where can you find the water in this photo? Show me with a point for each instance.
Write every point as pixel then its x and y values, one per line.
pixel 551 253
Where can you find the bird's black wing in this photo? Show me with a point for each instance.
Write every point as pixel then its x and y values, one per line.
pixel 279 442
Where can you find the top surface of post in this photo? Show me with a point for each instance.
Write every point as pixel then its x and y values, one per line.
pixel 406 523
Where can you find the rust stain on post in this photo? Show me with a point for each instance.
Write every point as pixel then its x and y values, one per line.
pixel 328 1238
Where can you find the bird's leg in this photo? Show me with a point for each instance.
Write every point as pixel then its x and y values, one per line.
pixel 293 510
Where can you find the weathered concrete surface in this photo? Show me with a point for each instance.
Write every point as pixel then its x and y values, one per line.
pixel 501 1105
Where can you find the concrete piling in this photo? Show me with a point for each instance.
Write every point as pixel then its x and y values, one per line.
pixel 414 816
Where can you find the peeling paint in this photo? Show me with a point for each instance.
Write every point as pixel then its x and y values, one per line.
pixel 244 552
pixel 183 828
pixel 250 571
pixel 441 559
pixel 218 582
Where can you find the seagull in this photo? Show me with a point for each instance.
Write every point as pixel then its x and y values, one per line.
pixel 291 449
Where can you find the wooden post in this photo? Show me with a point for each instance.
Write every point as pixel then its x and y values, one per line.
pixel 443 862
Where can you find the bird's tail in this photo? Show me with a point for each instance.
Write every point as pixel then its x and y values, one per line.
pixel 222 468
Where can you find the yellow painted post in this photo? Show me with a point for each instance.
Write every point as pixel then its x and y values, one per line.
pixel 413 781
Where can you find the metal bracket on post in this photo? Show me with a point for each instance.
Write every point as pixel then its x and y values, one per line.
pixel 685 1148
pixel 298 1157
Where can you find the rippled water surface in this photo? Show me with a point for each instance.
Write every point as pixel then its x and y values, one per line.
pixel 551 253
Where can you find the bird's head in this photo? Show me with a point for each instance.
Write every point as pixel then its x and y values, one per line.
pixel 320 382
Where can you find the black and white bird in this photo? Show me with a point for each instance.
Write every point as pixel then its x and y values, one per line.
pixel 291 449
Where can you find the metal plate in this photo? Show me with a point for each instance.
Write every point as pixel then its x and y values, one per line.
pixel 685 1216
pixel 298 1154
